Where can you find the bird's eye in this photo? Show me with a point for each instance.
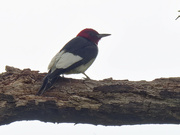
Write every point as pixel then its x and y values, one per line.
pixel 91 34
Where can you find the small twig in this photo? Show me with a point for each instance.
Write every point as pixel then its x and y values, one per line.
pixel 178 16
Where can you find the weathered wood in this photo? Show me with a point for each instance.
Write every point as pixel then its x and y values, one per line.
pixel 105 102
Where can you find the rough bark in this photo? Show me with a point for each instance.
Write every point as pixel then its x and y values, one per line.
pixel 105 102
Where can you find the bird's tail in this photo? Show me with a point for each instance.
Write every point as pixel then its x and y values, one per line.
pixel 47 83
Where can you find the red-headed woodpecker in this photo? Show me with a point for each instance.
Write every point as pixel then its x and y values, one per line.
pixel 75 57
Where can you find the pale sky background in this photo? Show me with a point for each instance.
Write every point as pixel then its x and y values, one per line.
pixel 144 45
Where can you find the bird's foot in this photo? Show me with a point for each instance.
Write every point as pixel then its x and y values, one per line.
pixel 87 77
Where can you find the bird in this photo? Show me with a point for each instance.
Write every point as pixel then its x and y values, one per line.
pixel 75 57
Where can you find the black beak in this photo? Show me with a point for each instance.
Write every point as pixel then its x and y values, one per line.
pixel 103 35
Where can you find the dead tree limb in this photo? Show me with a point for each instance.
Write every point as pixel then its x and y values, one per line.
pixel 105 102
pixel 178 16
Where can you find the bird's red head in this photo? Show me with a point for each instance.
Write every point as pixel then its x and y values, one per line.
pixel 92 35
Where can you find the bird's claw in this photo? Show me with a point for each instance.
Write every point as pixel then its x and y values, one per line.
pixel 87 77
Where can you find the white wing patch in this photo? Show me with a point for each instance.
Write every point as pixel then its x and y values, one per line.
pixel 54 60
pixel 67 59
pixel 81 68
pixel 63 60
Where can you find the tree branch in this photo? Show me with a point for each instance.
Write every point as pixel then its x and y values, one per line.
pixel 105 102
pixel 178 16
